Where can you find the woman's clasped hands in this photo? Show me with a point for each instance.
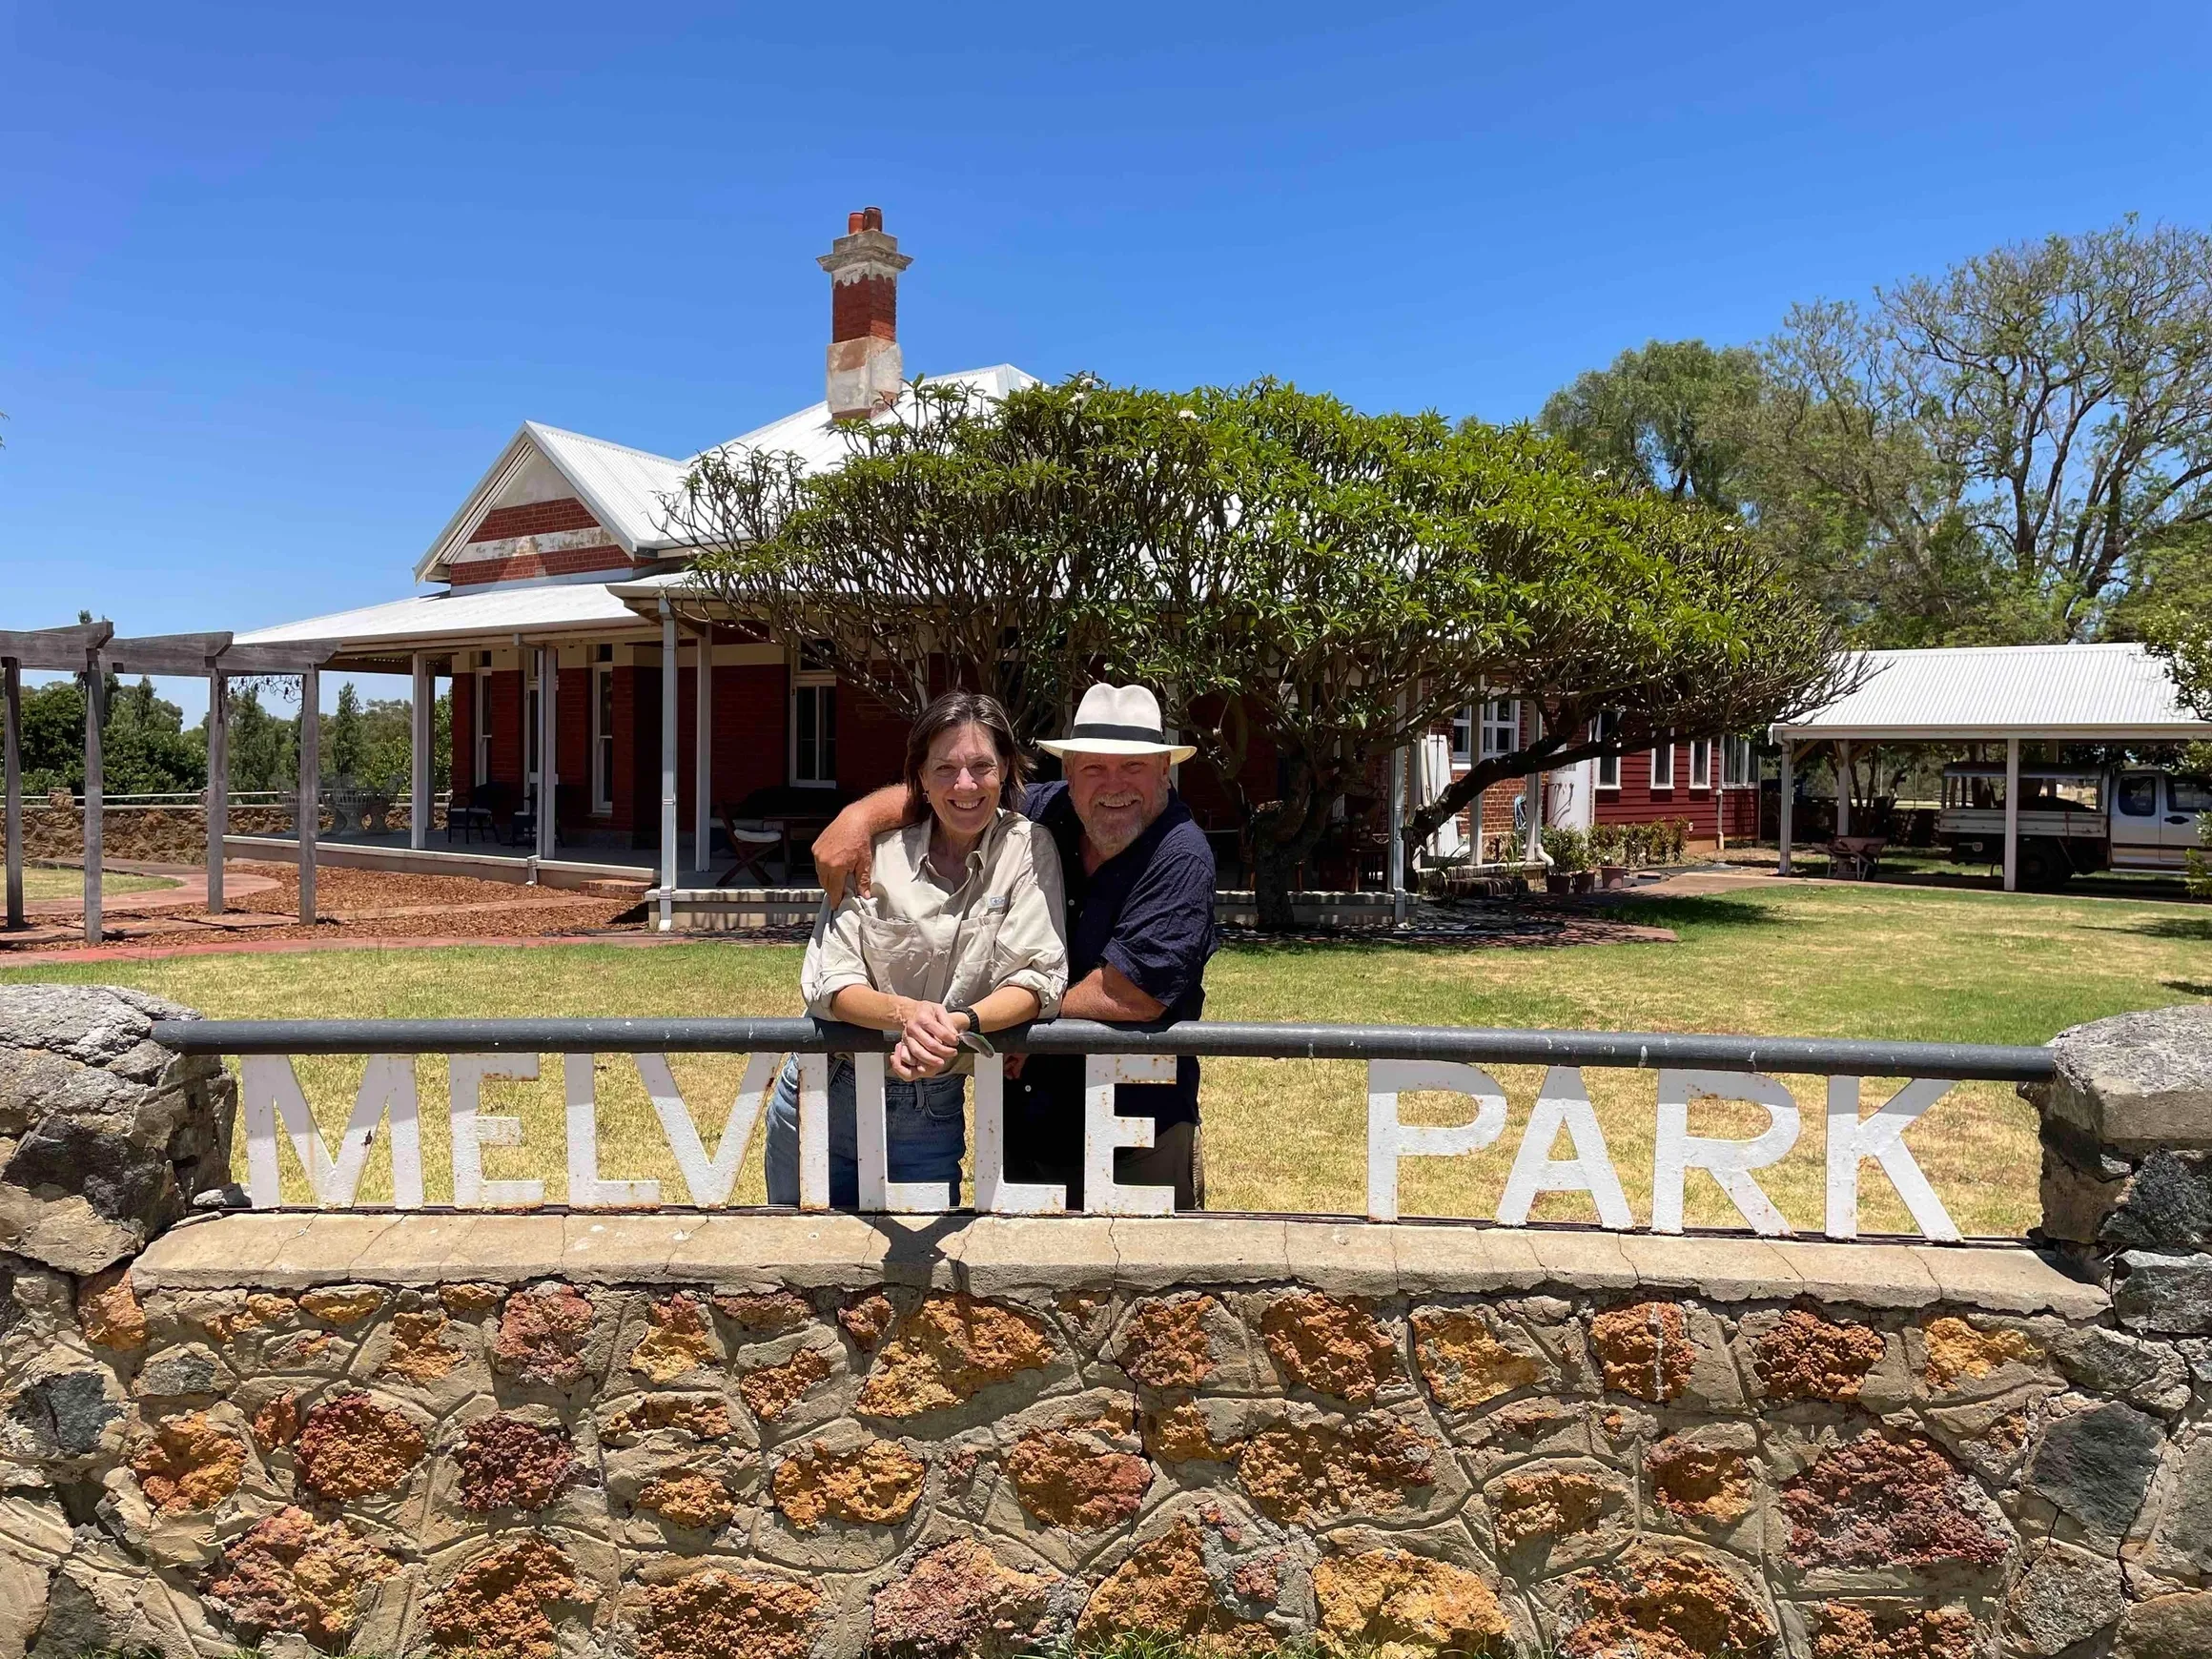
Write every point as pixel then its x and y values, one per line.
pixel 929 1041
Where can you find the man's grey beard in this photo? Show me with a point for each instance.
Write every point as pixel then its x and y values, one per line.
pixel 1110 846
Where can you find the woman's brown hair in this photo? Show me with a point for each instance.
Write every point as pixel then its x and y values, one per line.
pixel 964 708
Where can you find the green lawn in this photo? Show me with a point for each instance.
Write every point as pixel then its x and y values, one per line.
pixel 42 883
pixel 1813 960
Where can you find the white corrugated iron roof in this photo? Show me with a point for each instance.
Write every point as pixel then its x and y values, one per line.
pixel 434 619
pixel 625 488
pixel 2118 691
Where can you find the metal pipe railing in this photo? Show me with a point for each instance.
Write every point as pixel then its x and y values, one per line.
pixel 1473 1045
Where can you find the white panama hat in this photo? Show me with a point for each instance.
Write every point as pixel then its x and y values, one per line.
pixel 1118 720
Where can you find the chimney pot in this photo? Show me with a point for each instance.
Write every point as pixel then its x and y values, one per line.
pixel 853 222
pixel 871 218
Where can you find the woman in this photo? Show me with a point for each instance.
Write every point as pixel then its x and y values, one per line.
pixel 964 933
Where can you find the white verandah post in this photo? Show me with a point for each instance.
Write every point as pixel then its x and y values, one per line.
pixel 703 757
pixel 548 732
pixel 668 767
pixel 418 759
pixel 1842 787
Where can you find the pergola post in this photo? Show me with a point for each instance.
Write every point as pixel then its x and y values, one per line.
pixel 1843 787
pixel 668 767
pixel 1788 789
pixel 95 717
pixel 218 790
pixel 2012 848
pixel 703 758
pixel 309 815
pixel 11 766
pixel 418 745
pixel 548 726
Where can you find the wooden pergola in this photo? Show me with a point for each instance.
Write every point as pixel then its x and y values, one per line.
pixel 93 650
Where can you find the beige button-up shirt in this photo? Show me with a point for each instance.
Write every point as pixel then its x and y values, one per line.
pixel 1005 924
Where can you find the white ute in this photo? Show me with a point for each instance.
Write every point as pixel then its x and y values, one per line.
pixel 2073 819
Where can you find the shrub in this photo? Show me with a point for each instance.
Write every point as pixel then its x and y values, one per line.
pixel 1569 848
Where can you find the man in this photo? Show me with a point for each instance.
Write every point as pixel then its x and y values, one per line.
pixel 1140 927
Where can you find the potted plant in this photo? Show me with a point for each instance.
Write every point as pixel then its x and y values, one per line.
pixel 1609 849
pixel 1571 865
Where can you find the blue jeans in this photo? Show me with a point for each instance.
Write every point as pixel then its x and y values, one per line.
pixel 923 1125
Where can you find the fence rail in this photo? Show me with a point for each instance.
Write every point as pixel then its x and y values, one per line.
pixel 1223 1040
pixel 1399 1060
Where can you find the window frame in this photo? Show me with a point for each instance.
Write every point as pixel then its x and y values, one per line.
pixel 1701 765
pixel 481 724
pixel 821 687
pixel 1606 727
pixel 1656 782
pixel 603 739
pixel 1488 722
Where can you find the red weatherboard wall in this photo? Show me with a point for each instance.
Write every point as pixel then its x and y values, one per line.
pixel 1637 802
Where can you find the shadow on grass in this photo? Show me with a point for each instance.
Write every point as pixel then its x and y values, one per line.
pixel 2188 987
pixel 2196 929
pixel 1698 910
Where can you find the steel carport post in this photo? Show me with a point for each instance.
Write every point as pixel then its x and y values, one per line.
pixel 2012 847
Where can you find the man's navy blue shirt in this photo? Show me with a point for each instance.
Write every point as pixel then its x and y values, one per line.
pixel 1149 911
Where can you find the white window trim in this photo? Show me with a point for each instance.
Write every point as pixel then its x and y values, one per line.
pixel 1463 727
pixel 805 680
pixel 1510 726
pixel 1664 750
pixel 1701 763
pixel 480 738
pixel 1608 762
pixel 602 741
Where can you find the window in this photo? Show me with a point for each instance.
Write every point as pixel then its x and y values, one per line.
pixel 1501 727
pixel 1462 735
pixel 2189 794
pixel 480 718
pixel 603 735
pixel 1737 769
pixel 814 718
pixel 1604 730
pixel 1701 763
pixel 1663 765
pixel 2138 797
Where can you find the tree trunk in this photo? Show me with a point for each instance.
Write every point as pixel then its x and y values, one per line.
pixel 1275 858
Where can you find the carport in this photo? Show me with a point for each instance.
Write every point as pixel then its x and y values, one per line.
pixel 2009 694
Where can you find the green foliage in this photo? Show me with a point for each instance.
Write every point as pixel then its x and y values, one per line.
pixel 342 740
pixel 264 746
pixel 1569 849
pixel 144 748
pixel 1294 576
pixel 1673 418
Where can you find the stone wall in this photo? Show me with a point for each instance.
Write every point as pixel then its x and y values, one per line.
pixel 778 1437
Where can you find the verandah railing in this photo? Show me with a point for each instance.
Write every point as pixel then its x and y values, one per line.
pixel 1400 1060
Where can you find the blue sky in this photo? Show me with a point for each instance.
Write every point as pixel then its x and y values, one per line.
pixel 280 280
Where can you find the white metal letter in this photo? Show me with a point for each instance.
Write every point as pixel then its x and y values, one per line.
pixel 587 1191
pixel 1852 1140
pixel 1677 1152
pixel 272 1090
pixel 1103 1131
pixel 472 1133
pixel 878 1192
pixel 814 1132
pixel 1562 1104
pixel 1388 1140
pixel 994 1193
pixel 708 1180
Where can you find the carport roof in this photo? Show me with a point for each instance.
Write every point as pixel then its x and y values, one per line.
pixel 2120 693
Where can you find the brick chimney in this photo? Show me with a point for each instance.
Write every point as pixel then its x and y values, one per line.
pixel 863 266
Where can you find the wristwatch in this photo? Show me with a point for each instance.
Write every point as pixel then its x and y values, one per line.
pixel 972 1037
